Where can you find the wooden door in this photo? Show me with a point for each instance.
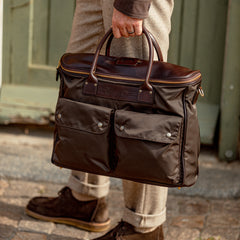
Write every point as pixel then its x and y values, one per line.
pixel 35 35
pixel 198 42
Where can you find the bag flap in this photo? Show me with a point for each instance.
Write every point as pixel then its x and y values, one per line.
pixel 82 116
pixel 150 127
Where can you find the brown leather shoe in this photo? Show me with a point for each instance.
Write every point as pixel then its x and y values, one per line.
pixel 88 215
pixel 125 231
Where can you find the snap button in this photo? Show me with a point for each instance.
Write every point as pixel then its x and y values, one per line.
pixel 59 116
pixel 169 134
pixel 122 128
pixel 100 125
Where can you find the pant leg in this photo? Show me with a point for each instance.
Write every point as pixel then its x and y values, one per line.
pixel 87 29
pixel 145 205
pixel 89 184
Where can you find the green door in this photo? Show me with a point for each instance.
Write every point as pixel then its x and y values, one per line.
pixel 36 33
pixel 198 42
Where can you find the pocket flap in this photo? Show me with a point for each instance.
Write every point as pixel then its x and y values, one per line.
pixel 82 116
pixel 150 127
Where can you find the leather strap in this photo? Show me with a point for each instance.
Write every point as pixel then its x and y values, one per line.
pixel 92 79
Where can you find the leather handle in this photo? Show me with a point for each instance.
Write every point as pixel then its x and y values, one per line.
pixel 154 41
pixel 146 85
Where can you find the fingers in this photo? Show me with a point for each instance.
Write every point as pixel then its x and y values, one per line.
pixel 127 30
pixel 138 28
pixel 119 32
pixel 116 32
pixel 125 26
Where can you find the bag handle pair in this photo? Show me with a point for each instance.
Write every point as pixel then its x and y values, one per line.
pixel 151 42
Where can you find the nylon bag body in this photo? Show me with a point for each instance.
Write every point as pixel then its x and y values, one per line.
pixel 128 118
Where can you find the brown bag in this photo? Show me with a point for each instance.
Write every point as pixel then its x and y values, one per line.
pixel 128 118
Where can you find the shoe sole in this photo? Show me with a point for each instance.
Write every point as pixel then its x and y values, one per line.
pixel 89 226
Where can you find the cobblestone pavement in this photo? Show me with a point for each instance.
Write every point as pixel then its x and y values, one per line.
pixel 188 218
pixel 210 210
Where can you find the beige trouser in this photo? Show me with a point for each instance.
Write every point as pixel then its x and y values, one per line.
pixel 145 205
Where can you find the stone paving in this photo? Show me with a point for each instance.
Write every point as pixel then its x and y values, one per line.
pixel 188 218
pixel 210 210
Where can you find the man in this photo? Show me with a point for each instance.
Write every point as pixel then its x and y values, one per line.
pixel 82 203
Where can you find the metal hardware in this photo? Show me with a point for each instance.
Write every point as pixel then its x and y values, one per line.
pixel 59 116
pixel 86 83
pixel 140 90
pixel 169 134
pixel 201 92
pixel 122 128
pixel 100 125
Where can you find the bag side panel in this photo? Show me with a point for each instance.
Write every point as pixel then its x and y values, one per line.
pixel 192 142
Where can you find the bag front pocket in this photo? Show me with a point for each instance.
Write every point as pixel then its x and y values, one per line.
pixel 148 147
pixel 82 136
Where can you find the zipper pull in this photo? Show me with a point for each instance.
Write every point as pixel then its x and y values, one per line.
pixel 201 92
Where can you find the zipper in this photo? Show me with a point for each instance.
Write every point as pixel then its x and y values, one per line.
pixel 183 137
pixel 112 143
pixel 188 81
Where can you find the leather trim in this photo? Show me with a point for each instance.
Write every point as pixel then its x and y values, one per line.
pixel 119 92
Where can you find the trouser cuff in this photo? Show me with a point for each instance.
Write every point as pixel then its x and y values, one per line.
pixel 143 220
pixel 88 189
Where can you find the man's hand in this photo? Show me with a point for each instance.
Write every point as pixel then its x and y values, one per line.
pixel 125 26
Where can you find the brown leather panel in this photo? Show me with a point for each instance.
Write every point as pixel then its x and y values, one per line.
pixel 109 66
pixel 120 92
pixel 90 88
pixel 145 96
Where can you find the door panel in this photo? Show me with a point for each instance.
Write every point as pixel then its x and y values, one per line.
pixel 39 32
pixel 35 35
pixel 197 41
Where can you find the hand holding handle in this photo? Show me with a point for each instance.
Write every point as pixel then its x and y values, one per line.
pixel 146 85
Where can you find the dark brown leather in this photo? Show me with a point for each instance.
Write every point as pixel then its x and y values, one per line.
pixel 146 85
pixel 115 128
pixel 69 209
pixel 125 231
